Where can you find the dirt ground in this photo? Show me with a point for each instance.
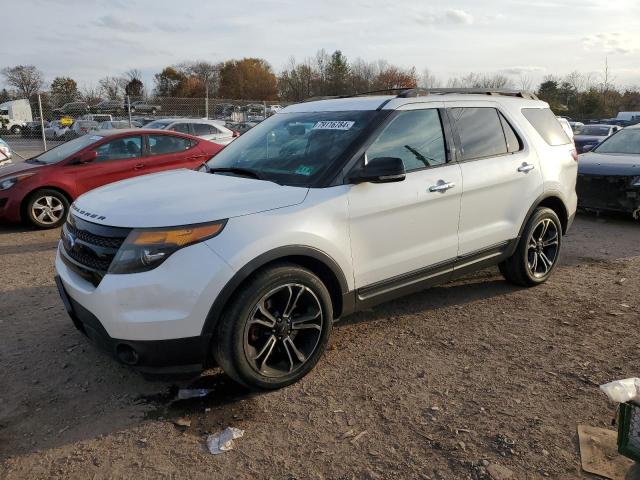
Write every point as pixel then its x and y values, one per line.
pixel 452 383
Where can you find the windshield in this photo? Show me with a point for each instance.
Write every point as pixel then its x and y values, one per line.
pixel 65 150
pixel 160 124
pixel 595 130
pixel 625 141
pixel 294 148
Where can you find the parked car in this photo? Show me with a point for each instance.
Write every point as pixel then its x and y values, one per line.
pixel 56 130
pixel 144 107
pixel 73 109
pixel 323 209
pixel 79 128
pixel 273 109
pixel 212 130
pixel 115 107
pixel 40 190
pixel 97 117
pixel 5 152
pixel 34 128
pixel 591 135
pixel 143 120
pixel 575 126
pixel 609 175
pixel 117 124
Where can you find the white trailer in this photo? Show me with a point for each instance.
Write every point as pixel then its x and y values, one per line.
pixel 15 114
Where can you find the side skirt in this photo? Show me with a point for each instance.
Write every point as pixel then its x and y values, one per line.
pixel 423 278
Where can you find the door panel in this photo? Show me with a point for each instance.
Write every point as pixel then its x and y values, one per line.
pixel 400 228
pixel 498 190
pixel 397 228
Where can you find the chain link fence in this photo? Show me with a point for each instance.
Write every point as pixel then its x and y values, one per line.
pixel 43 121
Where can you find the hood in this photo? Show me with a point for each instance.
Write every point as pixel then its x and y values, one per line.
pixel 183 197
pixel 594 163
pixel 7 169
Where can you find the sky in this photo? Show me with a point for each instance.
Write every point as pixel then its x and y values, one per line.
pixel 90 39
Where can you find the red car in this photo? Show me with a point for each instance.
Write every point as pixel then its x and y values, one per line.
pixel 40 190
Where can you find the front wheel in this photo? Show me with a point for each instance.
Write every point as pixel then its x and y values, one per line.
pixel 47 208
pixel 538 251
pixel 276 329
pixel 16 129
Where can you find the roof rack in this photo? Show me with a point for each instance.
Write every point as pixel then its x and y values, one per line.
pixel 485 91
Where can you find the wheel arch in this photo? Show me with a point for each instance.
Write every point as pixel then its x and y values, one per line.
pixel 553 201
pixel 317 261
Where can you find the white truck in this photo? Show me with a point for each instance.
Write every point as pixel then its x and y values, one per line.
pixel 14 115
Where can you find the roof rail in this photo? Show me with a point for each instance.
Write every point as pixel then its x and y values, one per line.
pixel 486 91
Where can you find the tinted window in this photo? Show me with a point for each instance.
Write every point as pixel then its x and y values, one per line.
pixel 120 148
pixel 181 127
pixel 513 141
pixel 415 136
pixel 547 125
pixel 480 132
pixel 163 144
pixel 203 129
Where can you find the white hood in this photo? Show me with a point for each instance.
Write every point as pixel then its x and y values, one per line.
pixel 182 197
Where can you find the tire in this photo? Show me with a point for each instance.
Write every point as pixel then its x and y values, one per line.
pixel 538 251
pixel 16 129
pixel 259 343
pixel 46 208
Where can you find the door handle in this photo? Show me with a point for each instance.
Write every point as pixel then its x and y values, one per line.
pixel 526 167
pixel 441 186
pixel 139 166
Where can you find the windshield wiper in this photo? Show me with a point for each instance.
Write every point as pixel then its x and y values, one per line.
pixel 245 172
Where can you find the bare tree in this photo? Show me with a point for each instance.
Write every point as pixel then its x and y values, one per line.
pixel 26 79
pixel 112 87
pixel 525 82
pixel 428 79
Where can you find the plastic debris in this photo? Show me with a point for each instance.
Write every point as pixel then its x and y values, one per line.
pixel 223 442
pixel 185 393
pixel 622 391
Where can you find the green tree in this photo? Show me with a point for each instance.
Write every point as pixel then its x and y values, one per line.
pixel 168 81
pixel 64 90
pixel 338 74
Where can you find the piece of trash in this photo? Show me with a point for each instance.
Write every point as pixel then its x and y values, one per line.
pixel 185 393
pixel 358 436
pixel 599 453
pixel 223 442
pixel 348 433
pixel 622 391
pixel 182 422
pixel 621 281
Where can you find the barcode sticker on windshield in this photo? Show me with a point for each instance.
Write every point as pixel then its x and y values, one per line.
pixel 333 125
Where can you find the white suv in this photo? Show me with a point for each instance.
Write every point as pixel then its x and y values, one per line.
pixel 212 130
pixel 323 209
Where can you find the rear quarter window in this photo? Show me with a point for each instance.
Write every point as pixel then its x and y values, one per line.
pixel 547 125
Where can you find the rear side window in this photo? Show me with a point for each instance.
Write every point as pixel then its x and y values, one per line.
pixel 547 125
pixel 513 141
pixel 481 132
pixel 164 144
pixel 181 127
pixel 200 129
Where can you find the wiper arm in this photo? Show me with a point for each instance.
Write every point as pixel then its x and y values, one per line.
pixel 245 172
pixel 419 156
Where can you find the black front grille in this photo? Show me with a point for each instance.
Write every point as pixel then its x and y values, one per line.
pixel 606 192
pixel 90 248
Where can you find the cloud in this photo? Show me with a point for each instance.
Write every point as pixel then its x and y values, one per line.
pixel 114 23
pixel 521 70
pixel 170 27
pixel 458 17
pixel 610 42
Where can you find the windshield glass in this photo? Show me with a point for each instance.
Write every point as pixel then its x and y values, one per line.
pixel 595 130
pixel 65 150
pixel 294 148
pixel 160 124
pixel 625 141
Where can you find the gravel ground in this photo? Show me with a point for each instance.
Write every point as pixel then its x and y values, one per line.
pixel 462 381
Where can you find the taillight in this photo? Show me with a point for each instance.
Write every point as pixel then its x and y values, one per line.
pixel 574 154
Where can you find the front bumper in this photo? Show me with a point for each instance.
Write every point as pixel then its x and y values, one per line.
pixel 613 193
pixel 152 320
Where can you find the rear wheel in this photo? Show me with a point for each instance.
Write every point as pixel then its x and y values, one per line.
pixel 47 208
pixel 538 251
pixel 276 329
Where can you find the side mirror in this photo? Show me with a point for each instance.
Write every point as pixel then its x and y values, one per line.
pixel 587 148
pixel 380 170
pixel 86 157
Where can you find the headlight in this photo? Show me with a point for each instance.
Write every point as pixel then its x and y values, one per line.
pixel 7 183
pixel 144 249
